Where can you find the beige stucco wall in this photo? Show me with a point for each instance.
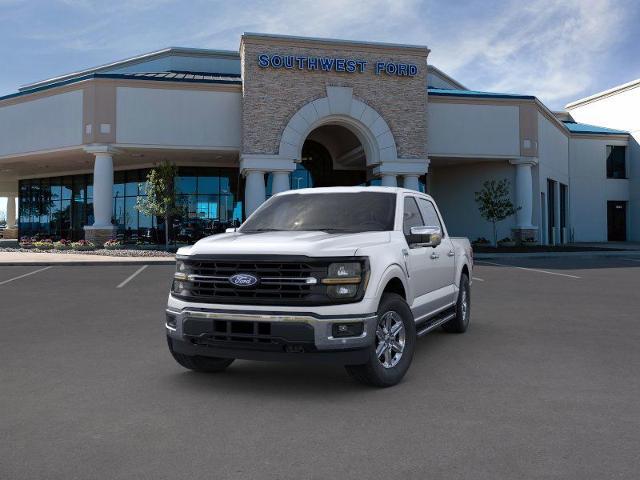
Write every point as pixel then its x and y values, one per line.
pixel 272 96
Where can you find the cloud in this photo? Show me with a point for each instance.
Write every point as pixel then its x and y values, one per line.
pixel 546 48
pixel 557 50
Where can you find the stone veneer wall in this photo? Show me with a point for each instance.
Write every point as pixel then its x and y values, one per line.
pixel 272 96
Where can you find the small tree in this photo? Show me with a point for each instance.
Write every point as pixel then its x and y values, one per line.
pixel 494 203
pixel 160 200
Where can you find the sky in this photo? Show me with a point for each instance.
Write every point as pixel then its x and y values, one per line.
pixel 557 50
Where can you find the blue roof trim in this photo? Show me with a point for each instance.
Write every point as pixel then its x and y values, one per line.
pixel 225 80
pixel 444 92
pixel 585 128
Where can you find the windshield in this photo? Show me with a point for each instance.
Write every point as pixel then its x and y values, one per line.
pixel 330 212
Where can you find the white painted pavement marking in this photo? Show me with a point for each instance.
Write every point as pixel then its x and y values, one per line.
pixel 478 279
pixel 132 276
pixel 25 275
pixel 528 269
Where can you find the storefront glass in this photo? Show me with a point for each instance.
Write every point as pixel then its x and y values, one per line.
pixel 60 207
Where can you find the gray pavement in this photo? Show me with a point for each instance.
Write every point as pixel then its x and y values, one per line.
pixel 545 384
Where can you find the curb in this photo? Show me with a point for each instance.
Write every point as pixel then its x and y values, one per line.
pixel 617 253
pixel 88 263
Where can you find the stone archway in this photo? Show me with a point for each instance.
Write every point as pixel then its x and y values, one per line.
pixel 339 107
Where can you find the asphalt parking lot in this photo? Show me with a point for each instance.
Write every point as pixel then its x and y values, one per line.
pixel 545 384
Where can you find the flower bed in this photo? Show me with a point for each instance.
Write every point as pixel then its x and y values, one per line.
pixel 113 245
pixel 83 245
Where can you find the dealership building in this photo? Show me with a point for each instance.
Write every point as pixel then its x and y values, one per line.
pixel 289 112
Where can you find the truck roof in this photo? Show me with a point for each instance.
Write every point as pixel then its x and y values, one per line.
pixel 348 190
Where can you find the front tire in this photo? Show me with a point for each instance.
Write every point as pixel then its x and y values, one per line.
pixel 200 364
pixel 460 323
pixel 392 350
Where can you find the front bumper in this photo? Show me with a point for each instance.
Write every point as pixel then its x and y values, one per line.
pixel 260 335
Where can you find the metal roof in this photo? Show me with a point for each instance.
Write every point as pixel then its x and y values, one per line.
pixel 444 92
pixel 187 77
pixel 135 60
pixel 585 128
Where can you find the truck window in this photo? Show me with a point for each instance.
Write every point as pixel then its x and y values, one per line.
pixel 411 217
pixel 429 213
pixel 336 212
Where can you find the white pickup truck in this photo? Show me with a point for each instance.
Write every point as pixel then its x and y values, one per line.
pixel 351 275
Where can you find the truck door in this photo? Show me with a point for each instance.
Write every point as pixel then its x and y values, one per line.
pixel 443 256
pixel 423 271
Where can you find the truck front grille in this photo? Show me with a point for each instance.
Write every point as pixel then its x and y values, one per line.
pixel 279 282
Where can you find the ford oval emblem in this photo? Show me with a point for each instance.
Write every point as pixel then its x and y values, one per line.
pixel 243 280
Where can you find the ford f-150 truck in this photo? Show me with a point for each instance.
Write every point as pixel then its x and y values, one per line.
pixel 351 275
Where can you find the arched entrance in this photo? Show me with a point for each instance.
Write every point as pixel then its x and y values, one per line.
pixel 332 156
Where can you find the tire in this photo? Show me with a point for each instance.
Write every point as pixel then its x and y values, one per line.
pixel 460 322
pixel 200 364
pixel 388 369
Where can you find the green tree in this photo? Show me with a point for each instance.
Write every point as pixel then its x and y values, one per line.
pixel 160 199
pixel 494 203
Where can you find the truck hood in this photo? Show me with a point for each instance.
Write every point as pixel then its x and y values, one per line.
pixel 312 244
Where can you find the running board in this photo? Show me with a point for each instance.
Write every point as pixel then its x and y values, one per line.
pixel 435 322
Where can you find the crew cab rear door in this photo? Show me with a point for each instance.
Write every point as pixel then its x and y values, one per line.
pixel 444 253
pixel 430 279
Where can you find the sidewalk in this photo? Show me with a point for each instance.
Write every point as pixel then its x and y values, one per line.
pixel 36 259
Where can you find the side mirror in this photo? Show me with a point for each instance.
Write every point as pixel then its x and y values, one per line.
pixel 230 230
pixel 425 237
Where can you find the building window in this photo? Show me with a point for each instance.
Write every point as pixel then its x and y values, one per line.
pixel 59 207
pixel 616 164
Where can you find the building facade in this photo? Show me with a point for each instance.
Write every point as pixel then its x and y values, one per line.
pixel 288 112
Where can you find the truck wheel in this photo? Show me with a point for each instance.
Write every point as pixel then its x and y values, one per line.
pixel 200 364
pixel 460 322
pixel 392 349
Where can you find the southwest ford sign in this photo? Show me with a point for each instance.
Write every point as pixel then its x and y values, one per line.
pixel 334 64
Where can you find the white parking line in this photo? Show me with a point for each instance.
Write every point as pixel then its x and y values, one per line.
pixel 478 279
pixel 528 269
pixel 132 276
pixel 25 275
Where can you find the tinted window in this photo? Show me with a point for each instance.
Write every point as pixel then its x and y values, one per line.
pixel 429 213
pixel 616 162
pixel 411 217
pixel 335 212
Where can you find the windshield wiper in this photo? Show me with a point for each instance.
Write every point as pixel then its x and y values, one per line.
pixel 260 230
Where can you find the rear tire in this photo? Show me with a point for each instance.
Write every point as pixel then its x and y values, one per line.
pixel 460 323
pixel 392 349
pixel 200 364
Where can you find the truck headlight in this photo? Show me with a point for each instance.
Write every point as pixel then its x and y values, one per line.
pixel 343 274
pixel 182 270
pixel 343 279
pixel 342 291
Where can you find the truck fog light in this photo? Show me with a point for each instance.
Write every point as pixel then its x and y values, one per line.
pixel 342 291
pixel 171 320
pixel 354 329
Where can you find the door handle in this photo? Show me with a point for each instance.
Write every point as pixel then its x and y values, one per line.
pixel 434 256
pixel 451 253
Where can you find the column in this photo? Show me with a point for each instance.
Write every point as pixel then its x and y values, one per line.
pixel 102 190
pixel 411 182
pixel 524 198
pixel 11 211
pixel 280 182
pixel 254 191
pixel 389 180
pixel 102 229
